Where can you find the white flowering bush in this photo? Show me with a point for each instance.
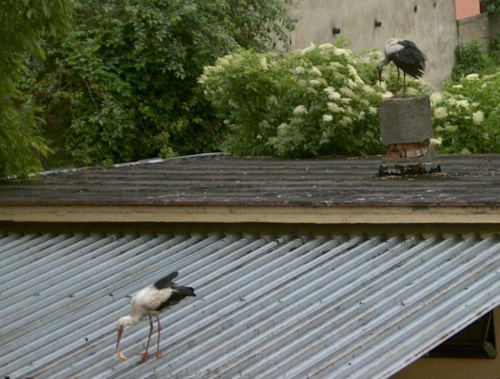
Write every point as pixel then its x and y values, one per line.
pixel 322 100
pixel 466 115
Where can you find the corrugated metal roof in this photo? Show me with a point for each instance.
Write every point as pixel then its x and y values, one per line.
pixel 266 306
pixel 466 180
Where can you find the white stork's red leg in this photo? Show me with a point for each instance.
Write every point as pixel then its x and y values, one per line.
pixel 158 352
pixel 397 82
pixel 404 84
pixel 145 356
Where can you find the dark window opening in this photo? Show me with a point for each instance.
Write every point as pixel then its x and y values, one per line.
pixel 475 341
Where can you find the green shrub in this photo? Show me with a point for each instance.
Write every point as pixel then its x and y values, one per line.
pixel 466 115
pixel 495 50
pixel 318 101
pixel 23 23
pixel 491 6
pixel 470 58
pixel 123 85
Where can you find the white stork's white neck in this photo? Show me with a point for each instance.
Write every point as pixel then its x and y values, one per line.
pixel 383 62
pixel 129 320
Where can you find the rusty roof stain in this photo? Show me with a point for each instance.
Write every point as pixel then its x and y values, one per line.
pixel 222 180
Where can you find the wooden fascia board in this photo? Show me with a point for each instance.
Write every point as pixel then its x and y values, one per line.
pixel 249 214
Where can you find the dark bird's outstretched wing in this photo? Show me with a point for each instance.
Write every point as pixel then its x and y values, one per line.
pixel 409 59
pixel 166 281
pixel 178 293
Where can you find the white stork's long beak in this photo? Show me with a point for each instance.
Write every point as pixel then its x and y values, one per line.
pixel 121 356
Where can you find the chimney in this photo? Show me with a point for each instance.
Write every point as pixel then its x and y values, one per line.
pixel 405 129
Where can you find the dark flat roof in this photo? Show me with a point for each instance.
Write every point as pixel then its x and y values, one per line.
pixel 466 180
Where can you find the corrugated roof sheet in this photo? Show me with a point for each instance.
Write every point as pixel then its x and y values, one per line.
pixel 266 306
pixel 466 180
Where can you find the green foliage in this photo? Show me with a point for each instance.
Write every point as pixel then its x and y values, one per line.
pixel 495 50
pixel 23 23
pixel 123 86
pixel 318 101
pixel 466 116
pixel 492 6
pixel 470 58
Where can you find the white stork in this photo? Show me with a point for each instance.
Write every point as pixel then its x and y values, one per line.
pixel 151 301
pixel 406 56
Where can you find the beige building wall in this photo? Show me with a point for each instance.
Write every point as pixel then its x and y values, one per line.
pixel 431 24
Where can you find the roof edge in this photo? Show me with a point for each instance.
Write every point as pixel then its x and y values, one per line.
pixel 250 214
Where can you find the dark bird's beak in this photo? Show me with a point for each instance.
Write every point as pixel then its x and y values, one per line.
pixel 121 356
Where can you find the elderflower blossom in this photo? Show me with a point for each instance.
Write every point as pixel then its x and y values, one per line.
pixel 336 64
pixel 302 83
pixel 202 79
pixel 333 107
pixel 316 71
pixel 368 89
pixel 300 109
pixel 223 62
pixel 339 52
pixel 346 120
pixel 372 110
pixel 348 92
pixel 311 47
pixel 332 94
pixel 472 77
pixel 463 103
pixel 272 100
pixel 263 63
pixel 412 91
pixel 351 83
pixel 436 98
pixel 299 70
pixel 359 81
pixel 352 70
pixel 327 117
pixel 440 112
pixel 326 46
pixel 478 117
pixel 436 141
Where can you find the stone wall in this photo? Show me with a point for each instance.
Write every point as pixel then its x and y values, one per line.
pixel 431 24
pixel 482 28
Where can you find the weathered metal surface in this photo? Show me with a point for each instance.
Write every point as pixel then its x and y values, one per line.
pixel 266 306
pixel 225 180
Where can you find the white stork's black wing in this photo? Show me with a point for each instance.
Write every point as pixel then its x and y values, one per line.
pixel 166 281
pixel 178 293
pixel 409 59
